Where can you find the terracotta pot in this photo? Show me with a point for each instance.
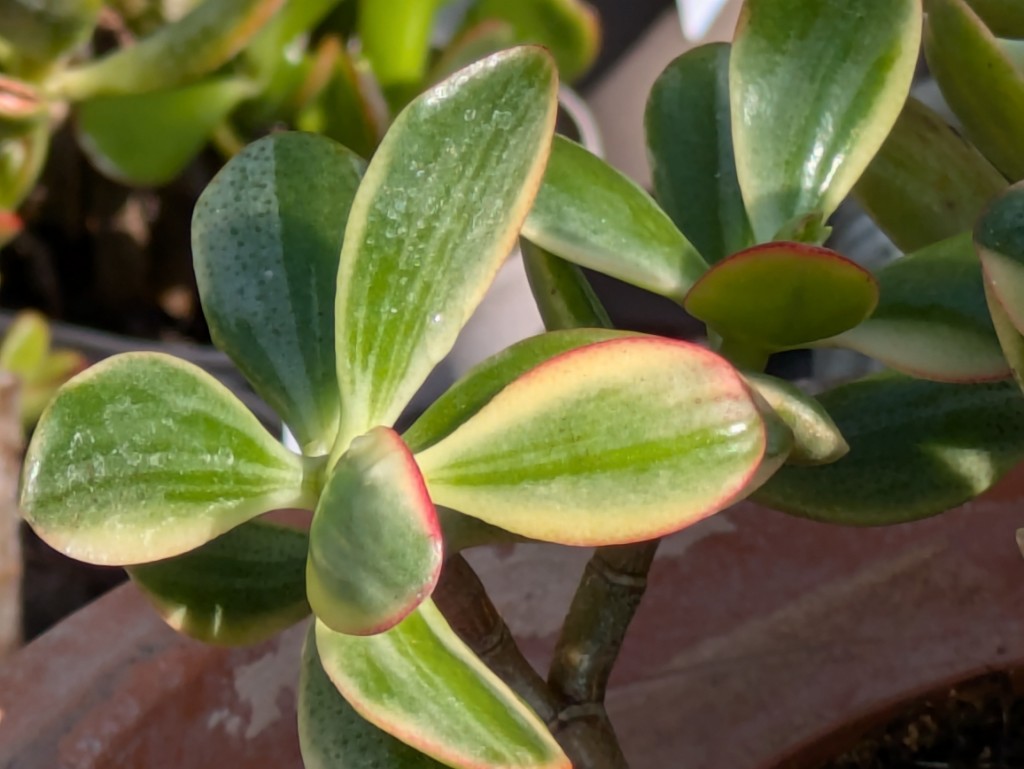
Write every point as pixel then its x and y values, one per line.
pixel 761 637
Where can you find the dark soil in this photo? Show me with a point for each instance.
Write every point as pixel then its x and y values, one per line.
pixel 977 725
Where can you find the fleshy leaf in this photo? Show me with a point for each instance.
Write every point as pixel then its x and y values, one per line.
pixel 144 457
pixel 147 139
pixel 474 390
pixel 471 45
pixel 375 542
pixel 815 86
pixel 932 321
pixel 436 215
pixel 917 449
pixel 424 686
pixel 570 29
pixel 979 81
pixel 592 215
pixel 816 439
pixel 43 32
pixel 25 344
pixel 563 295
pixel 782 295
pixel 927 183
pixel 200 42
pixel 689 142
pixel 619 441
pixel 21 162
pixel 999 241
pixel 1010 339
pixel 266 235
pixel 243 587
pixel 333 735
pixel 1004 17
pixel 395 35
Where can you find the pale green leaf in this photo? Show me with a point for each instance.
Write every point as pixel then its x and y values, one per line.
pixel 144 457
pixel 815 87
pixel 816 439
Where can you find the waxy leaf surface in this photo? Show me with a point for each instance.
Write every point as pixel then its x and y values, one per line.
pixel 619 441
pixel 979 81
pixel 148 139
pixel 932 320
pixel 563 295
pixel 1010 339
pixel 375 542
pixel 689 142
pixel 999 241
pixel 816 439
pixel 927 183
pixel 421 684
pixel 333 735
pixel 266 235
pixel 917 449
pixel 815 87
pixel 1004 17
pixel 437 213
pixel 144 457
pixel 592 215
pixel 243 587
pixel 783 295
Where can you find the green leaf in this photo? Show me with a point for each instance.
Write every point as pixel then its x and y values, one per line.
pixel 266 235
pixel 815 86
pixel 395 36
pixel 619 441
pixel 243 587
pixel 333 735
pixel 21 162
pixel 436 215
pixel 932 321
pixel 148 139
pixel 592 215
pixel 816 439
pixel 917 448
pixel 479 385
pixel 471 45
pixel 689 142
pixel 999 241
pixel 1004 17
pixel 561 290
pixel 207 37
pixel 375 543
pixel 44 31
pixel 979 81
pixel 927 183
pixel 421 684
pixel 1010 339
pixel 144 457
pixel 570 29
pixel 783 295
pixel 25 344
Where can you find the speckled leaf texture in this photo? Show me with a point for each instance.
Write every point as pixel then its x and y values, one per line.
pixel 438 211
pixel 406 680
pixel 266 237
pixel 592 215
pixel 618 441
pixel 243 587
pixel 815 87
pixel 917 449
pixel 144 457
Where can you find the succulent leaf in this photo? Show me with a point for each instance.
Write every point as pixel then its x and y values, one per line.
pixel 816 439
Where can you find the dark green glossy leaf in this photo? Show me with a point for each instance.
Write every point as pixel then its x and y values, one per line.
pixel 594 216
pixel 927 183
pixel 815 86
pixel 333 735
pixel 561 290
pixel 144 457
pixel 421 684
pixel 979 81
pixel 816 439
pixel 932 320
pixel 266 235
pixel 438 212
pixel 375 541
pixel 917 449
pixel 783 295
pixel 241 588
pixel 689 142
pixel 999 241
pixel 148 139
pixel 1004 17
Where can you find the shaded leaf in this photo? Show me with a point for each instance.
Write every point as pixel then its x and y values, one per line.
pixel 144 457
pixel 917 449
pixel 1010 339
pixel 44 31
pixel 999 241
pixel 243 587
pixel 816 439
pixel 563 295
pixel 592 215
pixel 1004 17
pixel 815 86
pixel 689 142
pixel 436 215
pixel 619 441
pixel 266 235
pixel 471 45
pixel 421 684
